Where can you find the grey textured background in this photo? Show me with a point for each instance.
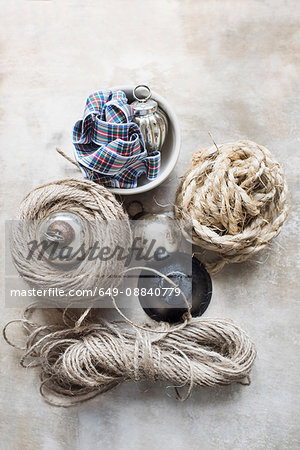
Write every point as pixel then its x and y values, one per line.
pixel 228 67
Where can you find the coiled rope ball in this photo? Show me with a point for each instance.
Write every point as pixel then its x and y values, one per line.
pixel 235 196
pixel 83 355
pixel 95 206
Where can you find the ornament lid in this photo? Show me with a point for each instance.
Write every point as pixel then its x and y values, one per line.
pixel 166 305
pixel 143 105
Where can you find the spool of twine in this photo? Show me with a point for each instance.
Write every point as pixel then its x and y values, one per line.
pixel 95 206
pixel 82 359
pixel 235 197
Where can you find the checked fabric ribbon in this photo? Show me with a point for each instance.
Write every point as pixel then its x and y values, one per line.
pixel 109 148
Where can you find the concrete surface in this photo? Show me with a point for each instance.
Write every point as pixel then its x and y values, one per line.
pixel 228 67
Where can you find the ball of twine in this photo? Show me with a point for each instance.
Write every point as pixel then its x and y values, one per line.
pixel 95 206
pixel 235 196
pixel 82 358
pixel 86 359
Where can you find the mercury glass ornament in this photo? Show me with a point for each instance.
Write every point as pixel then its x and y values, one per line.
pixel 158 231
pixel 63 235
pixel 151 119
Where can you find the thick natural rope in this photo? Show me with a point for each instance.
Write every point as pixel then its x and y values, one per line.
pixel 96 206
pixel 87 359
pixel 80 359
pixel 235 197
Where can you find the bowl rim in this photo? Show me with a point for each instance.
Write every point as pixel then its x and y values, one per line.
pixel 175 152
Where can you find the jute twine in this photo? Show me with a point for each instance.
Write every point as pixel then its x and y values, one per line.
pixel 81 359
pixel 235 196
pixel 92 203
pixel 83 356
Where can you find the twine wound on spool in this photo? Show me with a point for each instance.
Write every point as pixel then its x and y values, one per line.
pixel 80 358
pixel 86 359
pixel 94 205
pixel 235 196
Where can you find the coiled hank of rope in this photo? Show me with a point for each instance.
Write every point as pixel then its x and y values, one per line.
pixel 235 197
pixel 85 359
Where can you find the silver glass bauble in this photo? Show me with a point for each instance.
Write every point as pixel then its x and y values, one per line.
pixel 159 233
pixel 151 119
pixel 62 235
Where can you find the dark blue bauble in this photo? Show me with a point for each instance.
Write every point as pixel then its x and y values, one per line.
pixel 189 274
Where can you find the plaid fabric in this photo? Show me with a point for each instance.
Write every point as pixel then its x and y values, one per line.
pixel 109 148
